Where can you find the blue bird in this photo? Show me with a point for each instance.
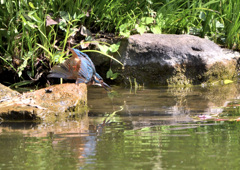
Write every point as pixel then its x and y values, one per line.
pixel 79 67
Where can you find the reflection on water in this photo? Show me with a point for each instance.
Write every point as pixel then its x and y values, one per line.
pixel 153 131
pixel 163 101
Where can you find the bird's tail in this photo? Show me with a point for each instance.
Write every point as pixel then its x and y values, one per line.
pixel 60 71
pixel 67 70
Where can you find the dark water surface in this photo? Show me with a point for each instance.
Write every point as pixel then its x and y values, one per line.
pixel 143 129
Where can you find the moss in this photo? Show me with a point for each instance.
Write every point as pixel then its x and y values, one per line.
pixel 221 71
pixel 180 75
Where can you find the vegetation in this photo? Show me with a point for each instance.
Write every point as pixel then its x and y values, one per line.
pixel 34 33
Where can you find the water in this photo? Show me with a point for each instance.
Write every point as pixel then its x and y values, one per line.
pixel 150 129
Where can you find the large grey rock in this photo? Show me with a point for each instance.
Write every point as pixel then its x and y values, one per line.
pixel 175 59
pixel 169 49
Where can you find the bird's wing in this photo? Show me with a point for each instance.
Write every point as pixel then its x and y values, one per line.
pixel 88 58
pixel 67 70
pixel 80 80
pixel 83 55
pixel 86 70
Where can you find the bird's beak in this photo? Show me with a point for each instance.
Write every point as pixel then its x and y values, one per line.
pixel 106 86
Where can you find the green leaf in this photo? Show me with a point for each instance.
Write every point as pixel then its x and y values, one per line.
pixel 202 16
pixel 30 24
pixel 140 28
pixel 80 16
pixel 62 25
pixel 114 47
pixel 123 27
pixel 31 5
pixel 114 76
pixel 109 73
pixel 22 83
pixel 103 48
pixel 156 29
pixel 147 20
pixel 64 15
pixel 89 38
pixel 219 25
pixel 33 16
pixel 26 57
pixel 124 30
pixel 125 33
pixel 149 1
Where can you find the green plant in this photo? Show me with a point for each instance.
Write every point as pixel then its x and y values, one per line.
pixel 34 31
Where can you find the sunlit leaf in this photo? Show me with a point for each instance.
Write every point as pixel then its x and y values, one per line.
pixel 156 29
pixel 123 27
pixel 147 20
pixel 33 15
pixel 31 5
pixel 103 48
pixel 31 24
pixel 219 25
pixel 125 33
pixel 149 1
pixel 114 47
pixel 202 16
pixel 124 30
pixel 140 28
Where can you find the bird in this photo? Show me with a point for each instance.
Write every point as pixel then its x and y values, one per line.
pixel 79 67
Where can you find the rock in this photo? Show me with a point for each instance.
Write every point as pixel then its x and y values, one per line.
pixel 175 59
pixel 45 104
pixel 6 93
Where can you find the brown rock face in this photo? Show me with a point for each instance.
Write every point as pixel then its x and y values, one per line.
pixel 60 100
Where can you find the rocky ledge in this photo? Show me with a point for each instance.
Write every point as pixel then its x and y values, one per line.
pixel 168 59
pixel 62 100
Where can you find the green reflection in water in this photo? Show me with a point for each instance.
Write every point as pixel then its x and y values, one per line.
pixel 18 152
pixel 116 146
pixel 169 147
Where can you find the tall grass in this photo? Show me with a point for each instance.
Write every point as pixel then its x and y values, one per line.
pixel 28 43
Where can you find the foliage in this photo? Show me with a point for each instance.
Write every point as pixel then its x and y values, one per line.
pixel 34 33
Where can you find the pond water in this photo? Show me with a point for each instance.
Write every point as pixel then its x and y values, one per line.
pixel 147 128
